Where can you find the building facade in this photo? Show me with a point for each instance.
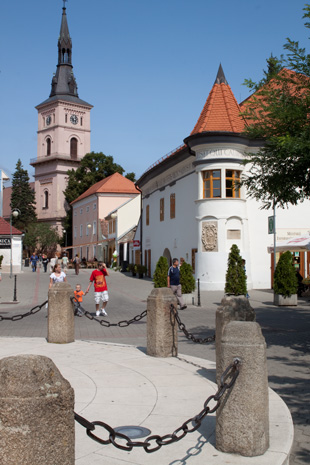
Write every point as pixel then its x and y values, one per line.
pixel 192 207
pixel 63 135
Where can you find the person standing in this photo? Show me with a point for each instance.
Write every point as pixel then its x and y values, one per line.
pixel 34 260
pixel 64 262
pixel 45 262
pixel 100 287
pixel 57 276
pixel 76 263
pixel 173 281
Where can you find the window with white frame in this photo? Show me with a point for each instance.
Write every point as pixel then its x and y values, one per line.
pixel 95 227
pixel 81 230
pixel 75 232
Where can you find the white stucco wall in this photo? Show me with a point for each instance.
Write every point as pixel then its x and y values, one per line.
pixel 16 256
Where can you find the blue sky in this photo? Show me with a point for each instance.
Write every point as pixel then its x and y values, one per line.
pixel 146 66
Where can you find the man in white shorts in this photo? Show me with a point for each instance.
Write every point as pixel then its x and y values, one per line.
pixel 100 287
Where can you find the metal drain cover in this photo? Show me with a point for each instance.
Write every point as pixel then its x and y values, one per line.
pixel 133 432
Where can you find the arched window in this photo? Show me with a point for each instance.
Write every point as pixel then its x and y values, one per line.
pixel 73 148
pixel 45 200
pixel 48 146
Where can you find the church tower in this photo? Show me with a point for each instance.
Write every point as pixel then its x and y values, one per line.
pixel 63 135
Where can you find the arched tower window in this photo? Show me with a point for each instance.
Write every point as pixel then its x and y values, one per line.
pixel 73 147
pixel 45 199
pixel 48 146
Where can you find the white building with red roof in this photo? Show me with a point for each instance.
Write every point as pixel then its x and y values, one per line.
pixel 95 232
pixel 191 210
pixel 10 239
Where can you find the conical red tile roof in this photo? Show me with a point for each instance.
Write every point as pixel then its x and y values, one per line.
pixel 5 228
pixel 221 112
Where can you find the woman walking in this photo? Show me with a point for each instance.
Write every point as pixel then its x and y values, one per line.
pixel 57 276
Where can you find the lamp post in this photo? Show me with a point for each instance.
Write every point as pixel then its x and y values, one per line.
pixel 14 213
pixel 65 233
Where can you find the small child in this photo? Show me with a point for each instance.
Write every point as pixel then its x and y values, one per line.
pixel 78 295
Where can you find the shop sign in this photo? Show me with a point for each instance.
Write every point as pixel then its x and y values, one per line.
pixel 5 243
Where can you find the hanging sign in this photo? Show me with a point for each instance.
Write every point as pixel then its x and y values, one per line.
pixel 136 243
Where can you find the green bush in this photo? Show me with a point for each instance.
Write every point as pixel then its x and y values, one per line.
pixel 187 279
pixel 235 275
pixel 1 259
pixel 161 272
pixel 285 280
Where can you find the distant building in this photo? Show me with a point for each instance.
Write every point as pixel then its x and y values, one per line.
pixel 96 231
pixel 63 135
pixel 191 209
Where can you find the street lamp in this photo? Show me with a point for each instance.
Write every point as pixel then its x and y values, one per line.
pixel 65 232
pixel 14 213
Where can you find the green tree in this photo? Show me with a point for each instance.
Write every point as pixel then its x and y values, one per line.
pixel 131 176
pixel 161 272
pixel 23 198
pixel 235 275
pixel 42 237
pixel 187 279
pixel 278 113
pixel 285 280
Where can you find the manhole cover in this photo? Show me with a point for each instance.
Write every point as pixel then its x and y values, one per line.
pixel 133 432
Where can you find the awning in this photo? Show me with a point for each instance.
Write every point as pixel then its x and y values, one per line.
pixel 295 244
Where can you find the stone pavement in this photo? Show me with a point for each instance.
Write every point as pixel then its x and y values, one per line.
pixel 286 331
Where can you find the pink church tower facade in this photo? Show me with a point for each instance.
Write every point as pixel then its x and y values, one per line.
pixel 63 135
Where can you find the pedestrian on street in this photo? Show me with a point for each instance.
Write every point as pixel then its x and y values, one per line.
pixel 57 276
pixel 64 262
pixel 100 287
pixel 78 295
pixel 76 263
pixel 173 281
pixel 34 260
pixel 45 262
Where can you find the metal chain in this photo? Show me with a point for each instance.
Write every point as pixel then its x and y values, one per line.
pixel 121 324
pixel 188 335
pixel 155 442
pixel 33 311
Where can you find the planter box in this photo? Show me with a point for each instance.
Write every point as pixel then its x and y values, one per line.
pixel 280 300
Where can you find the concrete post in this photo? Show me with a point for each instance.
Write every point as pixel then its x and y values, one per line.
pixel 36 413
pixel 60 314
pixel 242 421
pixel 162 334
pixel 232 308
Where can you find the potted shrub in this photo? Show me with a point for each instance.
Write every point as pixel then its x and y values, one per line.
pixel 1 259
pixel 141 270
pixel 161 272
pixel 285 283
pixel 187 282
pixel 133 268
pixel 235 275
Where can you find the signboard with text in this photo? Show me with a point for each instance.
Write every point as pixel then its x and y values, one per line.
pixel 136 243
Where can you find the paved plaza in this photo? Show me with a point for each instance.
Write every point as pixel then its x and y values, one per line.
pixel 286 331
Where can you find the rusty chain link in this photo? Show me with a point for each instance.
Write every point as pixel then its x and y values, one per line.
pixel 188 335
pixel 121 324
pixel 33 311
pixel 155 442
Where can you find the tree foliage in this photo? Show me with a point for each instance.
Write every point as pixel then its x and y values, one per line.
pixel 161 272
pixel 278 113
pixel 42 238
pixel 187 279
pixel 235 275
pixel 23 198
pixel 285 280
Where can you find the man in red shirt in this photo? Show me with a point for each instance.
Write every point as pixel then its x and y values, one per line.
pixel 101 288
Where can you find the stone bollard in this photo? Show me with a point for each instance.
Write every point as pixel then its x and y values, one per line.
pixel 162 335
pixel 36 413
pixel 232 308
pixel 242 421
pixel 60 314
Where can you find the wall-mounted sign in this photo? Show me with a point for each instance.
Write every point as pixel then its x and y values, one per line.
pixel 5 242
pixel 136 243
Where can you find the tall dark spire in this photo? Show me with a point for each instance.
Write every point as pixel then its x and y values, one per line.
pixel 63 82
pixel 220 78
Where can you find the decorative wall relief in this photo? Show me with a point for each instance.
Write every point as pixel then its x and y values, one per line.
pixel 209 236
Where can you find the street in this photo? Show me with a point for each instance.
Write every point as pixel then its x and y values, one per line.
pixel 286 331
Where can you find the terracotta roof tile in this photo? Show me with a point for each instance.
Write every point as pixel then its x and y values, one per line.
pixel 116 183
pixel 221 112
pixel 5 229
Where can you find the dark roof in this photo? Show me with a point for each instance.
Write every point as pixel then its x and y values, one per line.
pixel 65 98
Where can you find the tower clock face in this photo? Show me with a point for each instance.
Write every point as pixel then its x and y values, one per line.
pixel 74 119
pixel 48 120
